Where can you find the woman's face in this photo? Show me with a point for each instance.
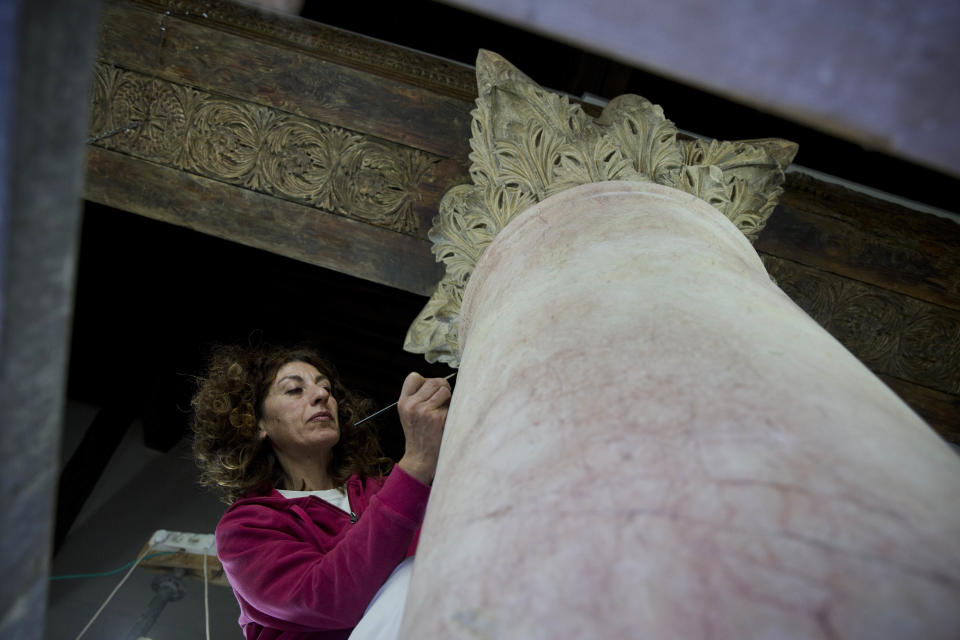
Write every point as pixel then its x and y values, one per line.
pixel 299 412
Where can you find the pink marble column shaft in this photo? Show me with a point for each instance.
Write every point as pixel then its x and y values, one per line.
pixel 649 439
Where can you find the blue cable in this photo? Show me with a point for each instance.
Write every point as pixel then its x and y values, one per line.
pixel 73 576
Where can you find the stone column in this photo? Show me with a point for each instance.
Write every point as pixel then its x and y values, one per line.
pixel 46 63
pixel 649 439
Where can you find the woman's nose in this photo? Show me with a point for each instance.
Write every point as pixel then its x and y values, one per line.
pixel 320 394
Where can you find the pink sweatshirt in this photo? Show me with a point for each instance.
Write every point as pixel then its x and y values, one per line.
pixel 301 570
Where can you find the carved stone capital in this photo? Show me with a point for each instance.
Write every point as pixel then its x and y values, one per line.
pixel 529 143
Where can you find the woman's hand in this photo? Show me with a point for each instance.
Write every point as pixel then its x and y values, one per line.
pixel 423 411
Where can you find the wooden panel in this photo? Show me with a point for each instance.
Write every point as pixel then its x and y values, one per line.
pixel 892 334
pixel 439 75
pixel 270 151
pixel 191 563
pixel 182 46
pixel 940 410
pixel 261 221
pixel 853 235
pixel 896 336
pixel 883 279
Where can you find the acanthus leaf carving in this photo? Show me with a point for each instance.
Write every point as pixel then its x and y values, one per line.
pixel 753 171
pixel 157 108
pixel 647 140
pixel 226 139
pixel 302 159
pixel 528 144
pixel 105 81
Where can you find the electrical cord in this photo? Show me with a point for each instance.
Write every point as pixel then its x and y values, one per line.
pixel 102 574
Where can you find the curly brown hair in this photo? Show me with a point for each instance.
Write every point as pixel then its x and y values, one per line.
pixel 227 408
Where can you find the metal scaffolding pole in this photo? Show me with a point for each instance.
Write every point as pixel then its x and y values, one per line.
pixel 168 588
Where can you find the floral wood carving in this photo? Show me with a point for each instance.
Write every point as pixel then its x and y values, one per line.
pixel 892 334
pixel 528 144
pixel 262 149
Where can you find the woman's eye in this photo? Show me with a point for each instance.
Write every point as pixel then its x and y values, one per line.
pixel 293 391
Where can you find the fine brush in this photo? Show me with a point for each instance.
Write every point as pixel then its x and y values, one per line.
pixel 388 407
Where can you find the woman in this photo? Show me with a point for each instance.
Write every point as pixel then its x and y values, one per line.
pixel 315 528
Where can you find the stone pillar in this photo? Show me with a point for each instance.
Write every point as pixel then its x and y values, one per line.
pixel 46 64
pixel 651 440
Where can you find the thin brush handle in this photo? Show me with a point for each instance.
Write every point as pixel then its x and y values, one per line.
pixel 390 406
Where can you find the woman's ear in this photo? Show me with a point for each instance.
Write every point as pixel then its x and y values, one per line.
pixel 261 432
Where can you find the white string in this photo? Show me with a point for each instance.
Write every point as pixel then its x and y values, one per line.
pixel 206 599
pixel 112 593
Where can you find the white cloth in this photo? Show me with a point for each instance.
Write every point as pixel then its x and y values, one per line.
pixel 381 620
pixel 336 497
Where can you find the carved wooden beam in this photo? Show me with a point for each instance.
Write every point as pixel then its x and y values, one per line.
pixel 882 279
pixel 274 132
pixel 853 235
pixel 894 335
